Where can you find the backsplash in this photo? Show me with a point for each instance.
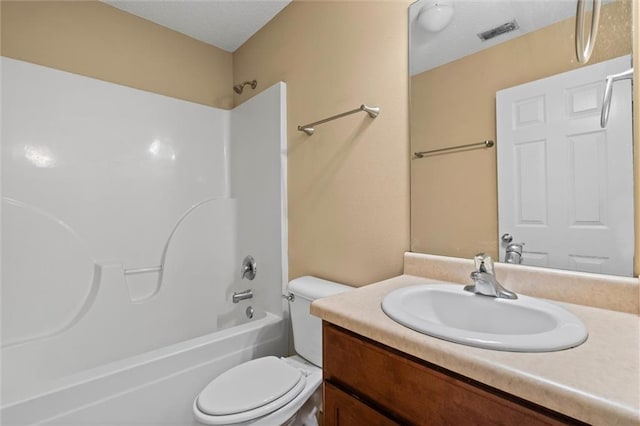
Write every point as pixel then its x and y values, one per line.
pixel 600 291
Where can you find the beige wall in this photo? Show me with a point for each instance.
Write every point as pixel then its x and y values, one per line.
pixel 349 182
pixel 454 196
pixel 96 40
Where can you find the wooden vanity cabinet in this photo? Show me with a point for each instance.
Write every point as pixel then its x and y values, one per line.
pixel 367 383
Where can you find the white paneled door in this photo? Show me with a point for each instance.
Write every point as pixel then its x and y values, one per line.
pixel 565 185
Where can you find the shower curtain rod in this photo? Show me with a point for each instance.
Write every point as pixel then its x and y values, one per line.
pixel 486 144
pixel 372 111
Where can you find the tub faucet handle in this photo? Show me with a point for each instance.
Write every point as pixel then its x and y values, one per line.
pixel 249 268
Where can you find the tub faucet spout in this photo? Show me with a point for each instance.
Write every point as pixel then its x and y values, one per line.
pixel 241 295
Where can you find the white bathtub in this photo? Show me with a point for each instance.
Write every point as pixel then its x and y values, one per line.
pixel 154 388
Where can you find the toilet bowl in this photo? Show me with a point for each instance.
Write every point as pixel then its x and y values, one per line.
pixel 269 390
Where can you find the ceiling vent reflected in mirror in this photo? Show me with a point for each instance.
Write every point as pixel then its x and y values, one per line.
pixel 473 17
pixel 499 30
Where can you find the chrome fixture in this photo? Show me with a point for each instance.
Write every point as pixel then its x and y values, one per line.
pixel 242 295
pixel 484 280
pixel 485 144
pixel 290 297
pixel 372 111
pixel 238 88
pixel 249 268
pixel 513 253
pixel 608 90
pixel 584 48
pixel 249 312
pixel 506 238
pixel 499 30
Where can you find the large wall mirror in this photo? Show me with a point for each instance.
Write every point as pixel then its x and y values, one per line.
pixel 552 177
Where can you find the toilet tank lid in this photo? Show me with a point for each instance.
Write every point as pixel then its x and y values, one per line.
pixel 313 288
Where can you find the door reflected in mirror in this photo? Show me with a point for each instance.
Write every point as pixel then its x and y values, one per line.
pixel 559 165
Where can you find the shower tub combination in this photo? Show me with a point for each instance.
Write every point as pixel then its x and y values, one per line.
pixel 126 215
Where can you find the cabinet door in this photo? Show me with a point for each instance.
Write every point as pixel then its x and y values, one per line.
pixel 340 408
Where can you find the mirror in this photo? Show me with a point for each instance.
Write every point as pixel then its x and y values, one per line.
pixel 456 209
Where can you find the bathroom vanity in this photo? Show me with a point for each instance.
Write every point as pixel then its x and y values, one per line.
pixel 379 372
pixel 384 386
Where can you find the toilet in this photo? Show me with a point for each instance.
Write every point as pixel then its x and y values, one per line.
pixel 270 390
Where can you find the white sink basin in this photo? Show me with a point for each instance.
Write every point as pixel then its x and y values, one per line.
pixel 448 312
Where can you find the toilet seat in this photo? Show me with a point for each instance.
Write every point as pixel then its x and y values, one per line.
pixel 250 390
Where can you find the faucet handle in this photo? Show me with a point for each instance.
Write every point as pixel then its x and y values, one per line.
pixel 484 263
pixel 249 268
pixel 506 238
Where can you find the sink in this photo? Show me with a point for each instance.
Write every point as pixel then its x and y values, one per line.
pixel 446 311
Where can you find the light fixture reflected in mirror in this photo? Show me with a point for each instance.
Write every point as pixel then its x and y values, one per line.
pixel 436 15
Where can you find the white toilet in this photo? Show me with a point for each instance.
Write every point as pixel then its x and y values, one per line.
pixel 269 390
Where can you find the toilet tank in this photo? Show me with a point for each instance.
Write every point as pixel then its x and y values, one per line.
pixel 307 329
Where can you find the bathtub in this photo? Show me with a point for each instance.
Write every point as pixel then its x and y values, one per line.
pixel 153 388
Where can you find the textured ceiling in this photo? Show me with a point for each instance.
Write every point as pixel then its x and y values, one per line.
pixel 226 24
pixel 459 38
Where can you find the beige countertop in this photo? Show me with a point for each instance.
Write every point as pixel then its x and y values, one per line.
pixel 597 382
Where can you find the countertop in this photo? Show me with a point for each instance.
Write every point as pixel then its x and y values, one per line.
pixel 597 382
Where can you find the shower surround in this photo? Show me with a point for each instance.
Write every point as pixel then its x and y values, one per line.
pixel 125 216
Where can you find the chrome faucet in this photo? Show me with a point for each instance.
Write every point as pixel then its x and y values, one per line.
pixel 484 280
pixel 513 253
